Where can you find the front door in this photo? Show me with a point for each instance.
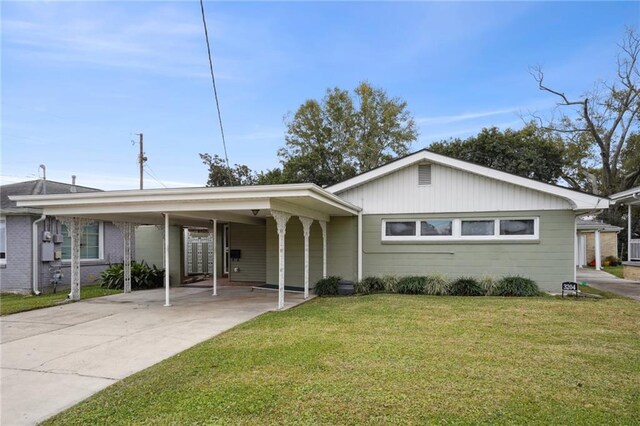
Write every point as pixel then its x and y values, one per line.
pixel 225 244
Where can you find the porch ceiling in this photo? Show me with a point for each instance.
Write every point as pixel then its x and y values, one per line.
pixel 194 206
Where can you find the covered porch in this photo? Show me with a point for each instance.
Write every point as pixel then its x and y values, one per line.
pixel 205 208
pixel 631 198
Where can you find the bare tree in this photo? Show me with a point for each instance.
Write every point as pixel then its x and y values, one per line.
pixel 603 118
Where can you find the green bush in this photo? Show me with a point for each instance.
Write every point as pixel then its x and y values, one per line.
pixel 390 283
pixel 369 285
pixel 488 285
pixel 436 285
pixel 142 276
pixel 411 285
pixel 516 286
pixel 327 286
pixel 466 286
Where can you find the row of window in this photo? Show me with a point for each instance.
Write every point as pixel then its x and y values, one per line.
pixel 462 229
pixel 90 243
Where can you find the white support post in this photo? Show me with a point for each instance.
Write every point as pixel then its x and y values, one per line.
pixel 306 229
pixel 596 243
pixel 360 246
pixel 214 273
pixel 75 227
pixel 127 258
pixel 281 219
pixel 167 262
pixel 128 232
pixel 323 226
pixel 628 232
pixel 76 235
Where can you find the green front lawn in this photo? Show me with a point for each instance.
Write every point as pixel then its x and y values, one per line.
pixel 397 359
pixel 614 270
pixel 14 303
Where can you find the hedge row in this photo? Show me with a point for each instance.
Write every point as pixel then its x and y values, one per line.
pixel 436 285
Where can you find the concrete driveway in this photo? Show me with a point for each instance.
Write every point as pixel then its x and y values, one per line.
pixel 607 282
pixel 54 358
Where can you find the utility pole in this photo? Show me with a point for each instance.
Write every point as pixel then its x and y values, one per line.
pixel 141 159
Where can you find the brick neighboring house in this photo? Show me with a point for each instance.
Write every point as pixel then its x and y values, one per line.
pixel 102 242
pixel 586 240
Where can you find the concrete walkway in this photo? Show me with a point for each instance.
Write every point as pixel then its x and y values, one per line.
pixel 54 358
pixel 607 282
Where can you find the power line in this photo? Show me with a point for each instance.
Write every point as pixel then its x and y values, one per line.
pixel 215 90
pixel 154 178
pixel 149 171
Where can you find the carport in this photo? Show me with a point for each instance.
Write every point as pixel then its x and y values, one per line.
pixel 197 207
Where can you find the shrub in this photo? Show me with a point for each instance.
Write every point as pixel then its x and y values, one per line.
pixel 436 285
pixel 611 260
pixel 488 285
pixel 327 286
pixel 411 285
pixel 466 286
pixel 369 285
pixel 390 283
pixel 516 286
pixel 142 276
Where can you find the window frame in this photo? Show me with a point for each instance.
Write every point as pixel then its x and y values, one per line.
pixel 100 257
pixel 3 220
pixel 456 230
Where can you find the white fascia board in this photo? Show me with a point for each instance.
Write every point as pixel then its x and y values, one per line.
pixel 167 200
pixel 577 199
pixel 630 196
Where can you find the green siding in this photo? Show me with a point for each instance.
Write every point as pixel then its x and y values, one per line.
pixel 250 239
pixel 549 261
pixel 342 247
pixel 341 250
pixel 149 248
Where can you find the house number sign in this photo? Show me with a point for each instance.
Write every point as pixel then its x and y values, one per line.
pixel 569 286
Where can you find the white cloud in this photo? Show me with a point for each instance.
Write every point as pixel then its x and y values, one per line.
pixel 162 41
pixel 447 119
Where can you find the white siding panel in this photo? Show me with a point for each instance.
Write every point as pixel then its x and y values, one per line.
pixel 451 190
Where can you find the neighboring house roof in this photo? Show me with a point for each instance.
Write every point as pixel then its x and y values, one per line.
pixel 593 225
pixel 630 196
pixel 35 187
pixel 578 199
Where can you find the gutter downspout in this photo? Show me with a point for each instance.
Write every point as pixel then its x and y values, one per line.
pixel 359 259
pixel 35 257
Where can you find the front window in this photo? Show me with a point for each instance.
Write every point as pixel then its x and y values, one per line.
pixel 436 227
pixel 3 240
pixel 89 242
pixel 468 229
pixel 478 227
pixel 400 229
pixel 517 227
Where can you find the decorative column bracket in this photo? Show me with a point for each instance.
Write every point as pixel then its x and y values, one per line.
pixel 75 227
pixel 306 229
pixel 281 219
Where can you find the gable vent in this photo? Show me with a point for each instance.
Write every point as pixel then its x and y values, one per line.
pixel 424 174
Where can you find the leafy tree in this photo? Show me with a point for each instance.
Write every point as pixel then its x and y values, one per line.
pixel 601 123
pixel 221 175
pixel 529 152
pixel 342 135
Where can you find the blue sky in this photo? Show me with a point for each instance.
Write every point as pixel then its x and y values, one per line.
pixel 79 79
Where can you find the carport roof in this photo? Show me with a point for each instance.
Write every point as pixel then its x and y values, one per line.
pixel 195 206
